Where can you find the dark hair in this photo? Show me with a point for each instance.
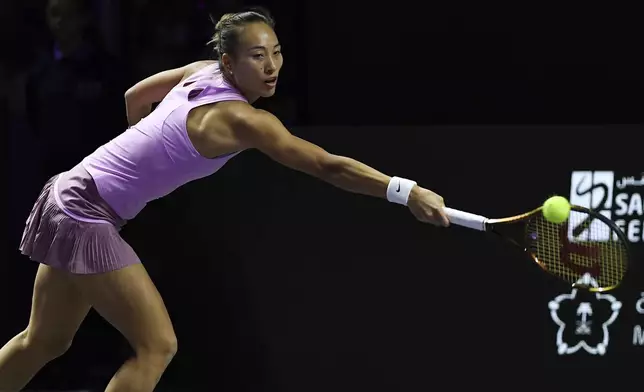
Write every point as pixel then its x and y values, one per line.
pixel 227 29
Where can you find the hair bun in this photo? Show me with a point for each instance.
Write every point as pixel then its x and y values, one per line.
pixel 222 21
pixel 226 28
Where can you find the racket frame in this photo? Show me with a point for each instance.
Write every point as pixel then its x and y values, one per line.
pixel 489 225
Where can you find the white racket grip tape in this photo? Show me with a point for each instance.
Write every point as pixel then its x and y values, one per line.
pixel 466 219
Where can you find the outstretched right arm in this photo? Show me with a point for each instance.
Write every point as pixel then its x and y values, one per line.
pixel 263 131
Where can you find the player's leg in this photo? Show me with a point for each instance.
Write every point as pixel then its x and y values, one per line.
pixel 129 300
pixel 58 309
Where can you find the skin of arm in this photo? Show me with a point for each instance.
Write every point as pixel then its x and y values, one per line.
pixel 263 131
pixel 140 97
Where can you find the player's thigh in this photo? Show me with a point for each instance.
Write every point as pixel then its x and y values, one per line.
pixel 129 301
pixel 58 309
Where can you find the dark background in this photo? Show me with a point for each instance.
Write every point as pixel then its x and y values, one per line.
pixel 279 282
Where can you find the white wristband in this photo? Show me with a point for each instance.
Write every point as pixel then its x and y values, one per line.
pixel 399 189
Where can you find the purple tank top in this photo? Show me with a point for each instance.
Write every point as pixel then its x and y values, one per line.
pixel 155 156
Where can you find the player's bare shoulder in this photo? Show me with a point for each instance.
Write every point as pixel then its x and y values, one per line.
pixel 233 114
pixel 244 123
pixel 214 128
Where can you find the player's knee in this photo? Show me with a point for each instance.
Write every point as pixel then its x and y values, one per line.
pixel 49 346
pixel 163 348
pixel 168 346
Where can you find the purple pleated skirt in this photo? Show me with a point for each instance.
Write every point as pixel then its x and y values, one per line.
pixel 72 228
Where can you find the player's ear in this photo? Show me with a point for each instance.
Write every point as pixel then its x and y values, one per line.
pixel 227 63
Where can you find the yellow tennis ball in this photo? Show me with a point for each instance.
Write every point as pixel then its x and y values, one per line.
pixel 556 209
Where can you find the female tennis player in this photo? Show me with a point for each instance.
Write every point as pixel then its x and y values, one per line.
pixel 204 119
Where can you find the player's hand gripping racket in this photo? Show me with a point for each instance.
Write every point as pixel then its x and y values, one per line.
pixel 587 245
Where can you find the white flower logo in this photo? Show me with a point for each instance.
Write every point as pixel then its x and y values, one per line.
pixel 584 324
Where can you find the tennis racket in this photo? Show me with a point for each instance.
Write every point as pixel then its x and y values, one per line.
pixel 588 250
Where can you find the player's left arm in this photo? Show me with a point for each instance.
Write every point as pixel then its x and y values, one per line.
pixel 140 97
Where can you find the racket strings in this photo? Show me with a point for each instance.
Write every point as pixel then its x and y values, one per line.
pixel 577 248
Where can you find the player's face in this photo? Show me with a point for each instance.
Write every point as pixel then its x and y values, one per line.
pixel 257 62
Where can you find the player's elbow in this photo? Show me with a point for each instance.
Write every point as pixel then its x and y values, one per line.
pixel 137 99
pixel 130 98
pixel 330 166
pixel 138 95
pixel 130 94
pixel 320 164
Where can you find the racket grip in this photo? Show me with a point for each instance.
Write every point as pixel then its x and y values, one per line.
pixel 466 219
